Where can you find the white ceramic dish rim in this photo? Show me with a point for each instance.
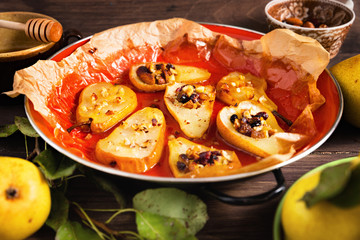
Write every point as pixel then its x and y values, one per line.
pixel 285 25
pixel 174 180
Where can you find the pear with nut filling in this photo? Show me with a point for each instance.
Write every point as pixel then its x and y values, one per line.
pixel 191 106
pixel 189 159
pixel 236 87
pixel 155 76
pixel 102 105
pixel 252 127
pixel 137 144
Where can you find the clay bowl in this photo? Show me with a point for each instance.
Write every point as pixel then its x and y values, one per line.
pixel 338 18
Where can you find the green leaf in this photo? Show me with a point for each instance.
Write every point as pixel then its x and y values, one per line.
pixel 55 165
pixel 25 127
pixel 332 181
pixel 7 130
pixel 154 226
pixel 350 196
pixel 104 183
pixel 75 231
pixel 59 210
pixel 173 203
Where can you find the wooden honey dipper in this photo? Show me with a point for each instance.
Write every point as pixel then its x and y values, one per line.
pixel 40 29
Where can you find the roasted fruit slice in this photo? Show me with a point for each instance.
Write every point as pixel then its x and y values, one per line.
pixel 191 106
pixel 236 87
pixel 155 76
pixel 188 159
pixel 102 105
pixel 137 144
pixel 252 127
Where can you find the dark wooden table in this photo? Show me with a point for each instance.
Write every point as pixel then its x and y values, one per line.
pixel 226 221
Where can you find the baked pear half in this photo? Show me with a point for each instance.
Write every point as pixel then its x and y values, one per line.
pixel 155 76
pixel 236 87
pixel 251 127
pixel 102 105
pixel 191 105
pixel 189 159
pixel 137 144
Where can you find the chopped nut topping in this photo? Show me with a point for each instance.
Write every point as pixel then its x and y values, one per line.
pixel 94 97
pixel 194 158
pixel 109 113
pixel 104 92
pixel 225 88
pixel 156 73
pixel 118 100
pixel 145 75
pixel 127 142
pixel 141 127
pixel 84 108
pixel 190 97
pixel 146 143
pixel 200 89
pixel 250 125
pixel 154 122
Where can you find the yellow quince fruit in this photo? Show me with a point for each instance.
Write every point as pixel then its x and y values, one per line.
pixel 347 74
pixel 25 199
pixel 322 221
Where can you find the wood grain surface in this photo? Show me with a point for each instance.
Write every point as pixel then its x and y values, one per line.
pixel 225 221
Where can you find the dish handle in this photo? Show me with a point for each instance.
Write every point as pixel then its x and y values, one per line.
pixel 250 200
pixel 70 34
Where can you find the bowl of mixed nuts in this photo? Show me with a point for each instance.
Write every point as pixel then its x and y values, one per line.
pixel 327 21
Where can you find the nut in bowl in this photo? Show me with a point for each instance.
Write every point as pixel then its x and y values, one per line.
pixel 327 21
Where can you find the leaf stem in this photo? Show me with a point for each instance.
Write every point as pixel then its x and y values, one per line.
pixel 101 210
pixel 36 150
pixel 86 223
pixel 80 211
pixel 37 147
pixel 31 156
pixel 75 176
pixel 26 147
pixel 119 212
pixel 94 224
